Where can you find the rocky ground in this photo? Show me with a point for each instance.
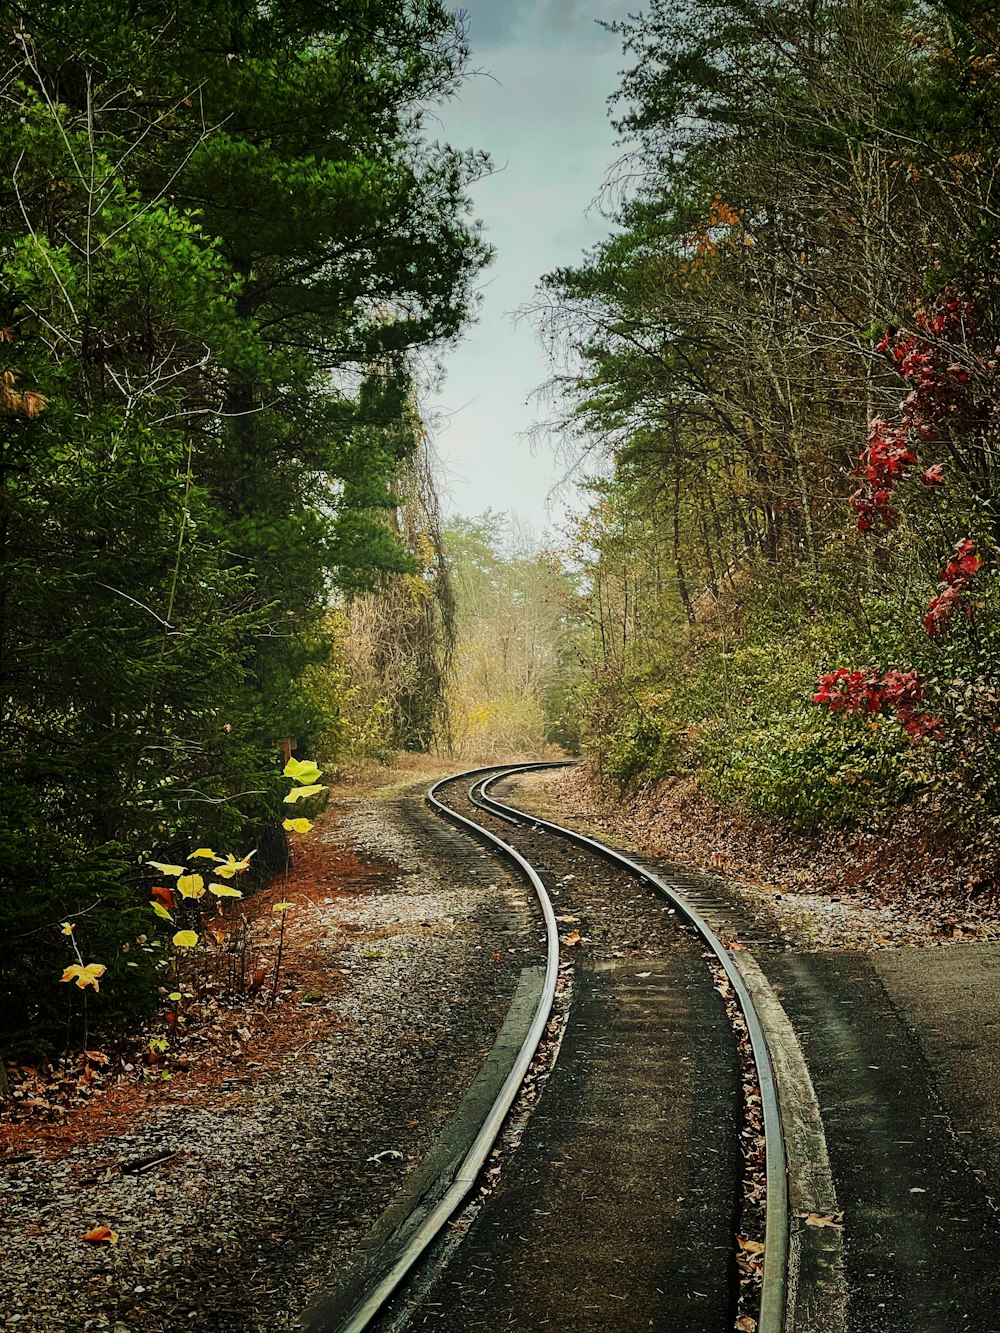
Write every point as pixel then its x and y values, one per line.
pixel 236 1187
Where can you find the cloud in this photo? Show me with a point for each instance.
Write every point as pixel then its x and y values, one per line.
pixel 499 22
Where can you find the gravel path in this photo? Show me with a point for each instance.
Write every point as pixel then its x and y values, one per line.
pixel 282 1164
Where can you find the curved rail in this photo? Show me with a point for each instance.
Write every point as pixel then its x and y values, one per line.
pixel 375 1298
pixel 774 1285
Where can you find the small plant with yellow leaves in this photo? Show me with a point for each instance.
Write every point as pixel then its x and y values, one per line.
pixel 84 974
pixel 305 776
pixel 182 906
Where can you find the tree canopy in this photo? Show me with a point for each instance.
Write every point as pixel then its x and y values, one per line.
pixel 224 231
pixel 783 360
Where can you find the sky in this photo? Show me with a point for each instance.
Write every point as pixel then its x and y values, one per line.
pixel 539 107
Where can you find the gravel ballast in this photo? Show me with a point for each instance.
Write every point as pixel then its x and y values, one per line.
pixel 282 1163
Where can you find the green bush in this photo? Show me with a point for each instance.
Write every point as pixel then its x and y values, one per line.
pixel 812 769
pixel 730 701
pixel 44 881
pixel 643 746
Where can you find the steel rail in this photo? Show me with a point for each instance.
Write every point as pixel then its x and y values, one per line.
pixel 375 1298
pixel 774 1287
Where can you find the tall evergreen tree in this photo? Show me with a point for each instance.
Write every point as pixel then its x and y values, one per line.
pixel 223 230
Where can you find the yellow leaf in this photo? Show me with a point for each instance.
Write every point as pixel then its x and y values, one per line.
pixel 68 927
pixel 185 939
pixel 281 907
pixel 224 891
pixel 231 866
pixel 299 793
pixel 161 911
pixel 296 825
pixel 205 852
pixel 302 770
pixel 174 995
pixel 166 870
pixel 191 886
pixel 84 976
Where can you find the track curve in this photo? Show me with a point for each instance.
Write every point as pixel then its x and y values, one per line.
pixel 774 1287
pixel 324 1314
pixel 428 1222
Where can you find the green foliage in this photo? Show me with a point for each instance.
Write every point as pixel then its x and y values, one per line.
pixel 223 231
pixel 726 358
pixel 46 880
pixel 518 627
pixel 811 772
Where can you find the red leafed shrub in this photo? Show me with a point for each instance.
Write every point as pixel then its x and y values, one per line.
pixel 897 692
pixel 882 466
pixel 955 578
pixel 942 399
pixel 962 565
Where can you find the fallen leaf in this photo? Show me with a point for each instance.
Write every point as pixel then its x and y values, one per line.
pixel 256 981
pixel 101 1236
pixel 824 1220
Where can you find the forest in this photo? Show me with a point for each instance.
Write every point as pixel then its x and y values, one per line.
pixel 230 239
pixel 782 369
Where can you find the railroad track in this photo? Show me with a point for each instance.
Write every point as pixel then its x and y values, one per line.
pixel 646 1016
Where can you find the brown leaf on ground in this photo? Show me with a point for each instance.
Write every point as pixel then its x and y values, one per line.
pixel 101 1236
pixel 752 1246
